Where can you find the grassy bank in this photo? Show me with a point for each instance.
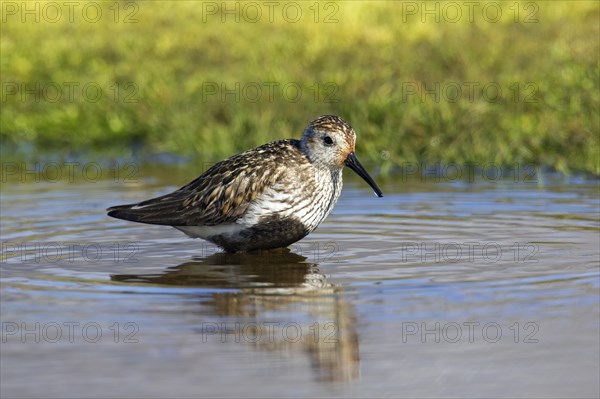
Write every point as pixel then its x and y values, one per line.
pixel 518 84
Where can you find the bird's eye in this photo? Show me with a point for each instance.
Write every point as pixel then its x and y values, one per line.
pixel 327 140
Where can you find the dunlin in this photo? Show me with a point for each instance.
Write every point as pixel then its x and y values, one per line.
pixel 268 197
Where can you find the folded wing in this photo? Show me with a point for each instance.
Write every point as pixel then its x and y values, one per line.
pixel 221 195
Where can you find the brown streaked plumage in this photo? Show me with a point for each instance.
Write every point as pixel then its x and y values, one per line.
pixel 267 197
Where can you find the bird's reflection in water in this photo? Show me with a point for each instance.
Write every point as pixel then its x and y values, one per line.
pixel 281 302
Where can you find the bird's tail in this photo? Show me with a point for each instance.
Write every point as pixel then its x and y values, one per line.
pixel 165 210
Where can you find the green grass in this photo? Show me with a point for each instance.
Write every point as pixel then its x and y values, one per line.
pixel 547 70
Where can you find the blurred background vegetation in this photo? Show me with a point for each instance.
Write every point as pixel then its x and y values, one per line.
pixel 515 84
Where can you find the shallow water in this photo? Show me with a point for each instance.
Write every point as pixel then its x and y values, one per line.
pixel 436 289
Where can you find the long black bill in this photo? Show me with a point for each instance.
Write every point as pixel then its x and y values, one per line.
pixel 352 163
